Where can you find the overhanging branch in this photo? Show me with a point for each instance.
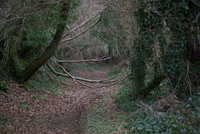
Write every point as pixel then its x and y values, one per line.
pixel 68 39
pixel 85 22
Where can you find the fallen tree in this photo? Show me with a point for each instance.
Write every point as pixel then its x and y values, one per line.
pixel 88 60
pixel 64 73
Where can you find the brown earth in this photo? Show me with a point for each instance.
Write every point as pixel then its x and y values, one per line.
pixel 31 113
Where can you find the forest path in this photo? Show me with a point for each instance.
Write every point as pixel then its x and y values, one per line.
pixel 39 111
pixel 82 97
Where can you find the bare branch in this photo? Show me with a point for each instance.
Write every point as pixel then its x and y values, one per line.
pixel 85 22
pixel 18 17
pixel 81 32
pixel 196 2
pixel 85 84
pixel 22 10
pixel 197 18
pixel 98 15
pixel 89 60
pixel 78 79
pixel 63 69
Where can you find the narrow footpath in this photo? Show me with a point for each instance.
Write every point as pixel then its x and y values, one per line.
pixel 82 97
pixel 66 113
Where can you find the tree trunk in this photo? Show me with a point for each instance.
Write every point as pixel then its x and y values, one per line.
pixel 51 49
pixel 152 85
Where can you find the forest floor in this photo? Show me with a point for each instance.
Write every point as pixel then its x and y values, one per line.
pixel 76 110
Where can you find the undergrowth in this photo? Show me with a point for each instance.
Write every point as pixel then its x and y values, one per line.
pixel 41 83
pixel 103 118
pixel 160 115
pixel 114 71
pixel 3 86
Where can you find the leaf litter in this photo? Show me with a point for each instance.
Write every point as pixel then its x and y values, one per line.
pixel 26 112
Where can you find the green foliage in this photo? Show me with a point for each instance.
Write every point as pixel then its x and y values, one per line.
pixel 159 92
pixel 194 102
pixel 34 42
pixel 43 86
pixel 175 120
pixel 127 101
pixel 24 106
pixel 183 117
pixel 102 120
pixel 3 120
pixel 112 33
pixel 178 40
pixel 114 71
pixel 26 36
pixel 142 123
pixel 142 52
pixel 38 32
pixel 40 97
pixel 4 86
pixel 123 99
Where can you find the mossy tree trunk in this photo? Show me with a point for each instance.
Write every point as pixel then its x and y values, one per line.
pixel 51 49
pixel 164 25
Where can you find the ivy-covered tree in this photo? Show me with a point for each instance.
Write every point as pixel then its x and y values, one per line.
pixel 161 45
pixel 51 49
pixel 30 34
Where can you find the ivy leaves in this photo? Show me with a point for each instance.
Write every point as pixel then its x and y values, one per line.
pixel 162 38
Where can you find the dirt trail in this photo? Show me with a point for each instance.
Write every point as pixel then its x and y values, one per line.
pixel 25 112
pixel 72 121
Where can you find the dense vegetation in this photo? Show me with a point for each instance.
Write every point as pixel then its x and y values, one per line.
pixel 163 89
pixel 30 34
pixel 157 41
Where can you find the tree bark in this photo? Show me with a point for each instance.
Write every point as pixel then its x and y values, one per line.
pixel 51 49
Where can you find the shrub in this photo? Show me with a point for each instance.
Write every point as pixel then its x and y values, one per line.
pixel 4 86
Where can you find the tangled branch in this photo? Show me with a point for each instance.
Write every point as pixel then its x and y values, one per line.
pixel 80 80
